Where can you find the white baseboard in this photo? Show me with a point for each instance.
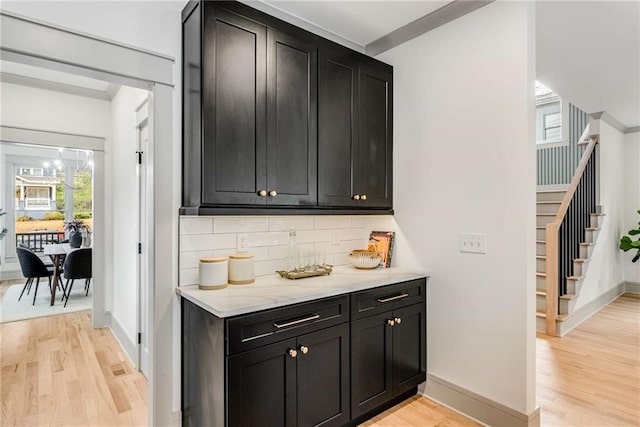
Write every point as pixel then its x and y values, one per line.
pixel 129 347
pixel 591 308
pixel 632 287
pixel 477 407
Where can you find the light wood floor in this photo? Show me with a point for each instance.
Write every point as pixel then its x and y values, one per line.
pixel 591 377
pixel 59 371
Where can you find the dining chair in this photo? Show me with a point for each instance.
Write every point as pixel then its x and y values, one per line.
pixel 77 265
pixel 32 268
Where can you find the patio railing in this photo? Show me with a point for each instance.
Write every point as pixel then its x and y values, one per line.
pixel 37 239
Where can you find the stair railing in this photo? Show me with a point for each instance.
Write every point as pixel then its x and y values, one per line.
pixel 567 230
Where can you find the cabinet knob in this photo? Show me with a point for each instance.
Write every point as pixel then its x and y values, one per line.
pixel 304 349
pixel 398 320
pixel 391 322
pixel 363 197
pixel 273 193
pixel 356 197
pixel 292 353
pixel 262 193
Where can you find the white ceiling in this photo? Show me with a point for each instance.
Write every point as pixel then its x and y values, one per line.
pixel 589 53
pixel 358 21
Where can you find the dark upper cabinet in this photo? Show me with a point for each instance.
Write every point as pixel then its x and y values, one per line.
pixel 338 82
pixel 277 117
pixel 375 147
pixel 355 134
pixel 292 119
pixel 234 108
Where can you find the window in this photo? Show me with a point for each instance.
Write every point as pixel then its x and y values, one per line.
pixel 549 116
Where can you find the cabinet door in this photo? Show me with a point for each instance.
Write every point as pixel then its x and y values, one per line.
pixel 323 377
pixel 375 148
pixel 409 348
pixel 337 127
pixel 233 109
pixel 261 386
pixel 292 82
pixel 371 364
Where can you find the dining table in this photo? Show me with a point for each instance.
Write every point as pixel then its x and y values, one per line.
pixel 57 252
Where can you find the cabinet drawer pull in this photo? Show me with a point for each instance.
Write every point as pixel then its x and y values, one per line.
pixel 292 353
pixel 296 322
pixel 304 349
pixel 393 298
pixel 398 320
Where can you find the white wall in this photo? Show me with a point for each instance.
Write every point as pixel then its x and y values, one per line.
pixel 33 108
pixel 605 269
pixel 122 203
pixel 464 161
pixel 631 200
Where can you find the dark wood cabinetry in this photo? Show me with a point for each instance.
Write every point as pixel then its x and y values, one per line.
pixel 329 362
pixel 388 349
pixel 279 118
pixel 355 130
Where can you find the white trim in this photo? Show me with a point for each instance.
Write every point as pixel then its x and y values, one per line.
pixel 586 311
pixel 48 138
pixel 476 406
pixel 127 345
pixel 24 36
pixel 53 86
pixel 551 144
pixel 632 287
pixel 87 35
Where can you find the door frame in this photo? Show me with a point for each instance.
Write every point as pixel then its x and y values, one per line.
pixel 79 53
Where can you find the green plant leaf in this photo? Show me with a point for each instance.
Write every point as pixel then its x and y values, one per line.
pixel 636 258
pixel 625 243
pixel 634 232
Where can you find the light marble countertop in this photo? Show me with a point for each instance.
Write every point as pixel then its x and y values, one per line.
pixel 274 291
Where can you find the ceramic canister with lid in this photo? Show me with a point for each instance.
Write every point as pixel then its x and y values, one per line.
pixel 213 273
pixel 241 269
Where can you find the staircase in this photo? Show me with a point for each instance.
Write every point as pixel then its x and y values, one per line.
pixel 567 225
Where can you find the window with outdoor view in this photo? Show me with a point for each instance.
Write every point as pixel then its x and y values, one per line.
pixel 548 115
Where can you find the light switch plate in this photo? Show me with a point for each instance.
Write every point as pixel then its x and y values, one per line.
pixel 475 243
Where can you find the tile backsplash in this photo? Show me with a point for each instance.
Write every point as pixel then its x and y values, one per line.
pixel 268 238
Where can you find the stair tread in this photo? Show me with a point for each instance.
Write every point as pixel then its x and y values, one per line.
pixel 598 214
pixel 545 214
pixel 592 229
pixel 541 257
pixel 541 274
pixel 552 191
pixel 541 241
pixel 541 227
pixel 541 293
pixel 580 260
pixel 541 311
pixel 586 244
pixel 562 317
pixel 548 202
pixel 568 296
pixel 575 278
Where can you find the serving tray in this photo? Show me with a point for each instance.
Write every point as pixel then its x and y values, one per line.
pixel 293 275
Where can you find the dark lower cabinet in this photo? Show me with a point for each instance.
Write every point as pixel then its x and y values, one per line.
pixel 306 364
pixel 303 382
pixel 388 356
